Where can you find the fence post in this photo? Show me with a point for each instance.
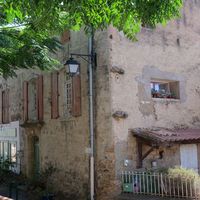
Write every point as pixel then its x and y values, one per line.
pixel 161 183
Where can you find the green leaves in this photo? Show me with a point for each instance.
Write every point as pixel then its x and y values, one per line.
pixel 29 45
pixel 23 49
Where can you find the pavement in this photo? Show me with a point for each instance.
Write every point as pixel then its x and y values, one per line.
pixel 144 197
pixel 4 195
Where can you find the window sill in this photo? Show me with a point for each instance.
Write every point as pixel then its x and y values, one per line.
pixel 165 100
pixel 29 123
pixel 66 119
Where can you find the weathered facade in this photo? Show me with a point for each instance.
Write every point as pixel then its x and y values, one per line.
pixel 130 84
pixel 169 53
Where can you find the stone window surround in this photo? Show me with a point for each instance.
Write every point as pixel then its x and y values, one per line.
pixel 150 73
pixel 170 89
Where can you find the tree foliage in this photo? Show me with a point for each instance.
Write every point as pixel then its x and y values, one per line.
pixel 27 27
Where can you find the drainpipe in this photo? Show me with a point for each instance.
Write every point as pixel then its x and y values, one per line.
pixel 91 112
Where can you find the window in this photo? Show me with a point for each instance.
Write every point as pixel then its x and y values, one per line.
pixel 165 89
pixel 33 99
pixel 5 106
pixel 72 95
pixel 8 150
pixel 67 95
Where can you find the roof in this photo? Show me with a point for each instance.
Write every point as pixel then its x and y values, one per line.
pixel 168 136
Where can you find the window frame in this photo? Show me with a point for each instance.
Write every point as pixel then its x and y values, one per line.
pixel 169 92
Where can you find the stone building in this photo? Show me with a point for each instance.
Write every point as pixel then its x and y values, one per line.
pixel 147 108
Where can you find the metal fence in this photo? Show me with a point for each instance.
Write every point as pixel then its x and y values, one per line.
pixel 160 184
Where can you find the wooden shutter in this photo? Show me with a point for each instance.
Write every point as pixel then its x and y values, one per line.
pixel 76 96
pixel 40 97
pixel 5 106
pixel 7 103
pixel 54 96
pixel 1 106
pixel 25 100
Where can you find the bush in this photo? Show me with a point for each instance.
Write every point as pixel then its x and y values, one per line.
pixel 186 179
pixel 183 172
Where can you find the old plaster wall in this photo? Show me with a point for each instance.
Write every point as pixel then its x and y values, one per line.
pixel 63 142
pixel 104 140
pixel 171 52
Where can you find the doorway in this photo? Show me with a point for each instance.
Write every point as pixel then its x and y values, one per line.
pixel 36 162
pixel 188 154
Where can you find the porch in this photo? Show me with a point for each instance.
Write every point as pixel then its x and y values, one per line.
pixel 159 147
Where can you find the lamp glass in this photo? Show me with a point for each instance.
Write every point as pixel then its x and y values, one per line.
pixel 73 68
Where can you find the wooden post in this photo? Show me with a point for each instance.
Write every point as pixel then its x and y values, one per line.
pixel 139 153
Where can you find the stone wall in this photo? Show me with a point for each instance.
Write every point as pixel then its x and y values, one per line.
pixel 63 142
pixel 170 53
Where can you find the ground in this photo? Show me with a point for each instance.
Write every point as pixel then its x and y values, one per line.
pixel 144 197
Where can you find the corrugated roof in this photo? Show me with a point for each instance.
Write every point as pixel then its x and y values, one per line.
pixel 168 136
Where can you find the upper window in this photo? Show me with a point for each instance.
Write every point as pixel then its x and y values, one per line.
pixel 67 95
pixel 165 89
pixel 72 95
pixel 33 99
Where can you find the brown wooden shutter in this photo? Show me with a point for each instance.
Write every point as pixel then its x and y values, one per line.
pixel 5 106
pixel 54 96
pixel 25 100
pixel 76 96
pixel 1 110
pixel 40 97
pixel 7 103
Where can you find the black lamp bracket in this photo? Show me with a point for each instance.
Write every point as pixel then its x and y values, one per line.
pixel 91 58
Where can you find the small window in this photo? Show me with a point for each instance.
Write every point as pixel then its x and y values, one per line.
pixel 67 95
pixel 165 89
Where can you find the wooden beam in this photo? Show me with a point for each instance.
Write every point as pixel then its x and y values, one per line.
pixel 139 153
pixel 147 153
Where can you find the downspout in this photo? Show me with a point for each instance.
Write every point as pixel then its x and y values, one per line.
pixel 91 112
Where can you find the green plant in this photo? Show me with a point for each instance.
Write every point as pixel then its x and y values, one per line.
pixel 183 172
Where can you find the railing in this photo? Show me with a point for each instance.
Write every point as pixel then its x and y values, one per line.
pixel 160 185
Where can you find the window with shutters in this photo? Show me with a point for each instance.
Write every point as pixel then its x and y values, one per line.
pixel 33 99
pixel 5 106
pixel 67 95
pixel 72 95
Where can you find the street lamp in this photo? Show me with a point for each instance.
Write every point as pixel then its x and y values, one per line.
pixel 72 66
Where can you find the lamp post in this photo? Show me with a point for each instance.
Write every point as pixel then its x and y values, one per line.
pixel 74 68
